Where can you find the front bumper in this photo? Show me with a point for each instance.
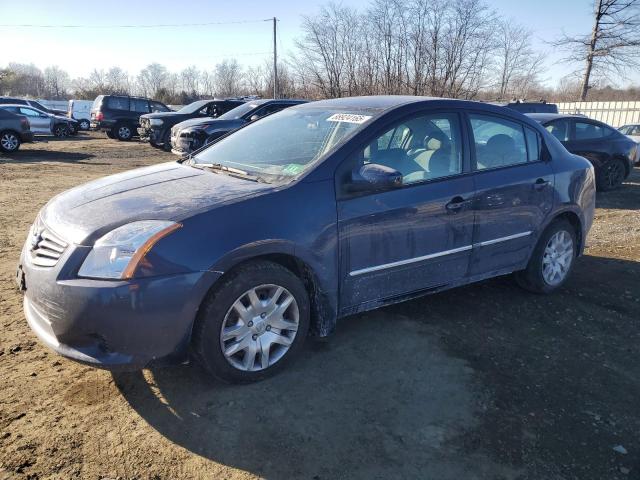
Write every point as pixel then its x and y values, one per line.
pixel 150 134
pixel 184 145
pixel 112 324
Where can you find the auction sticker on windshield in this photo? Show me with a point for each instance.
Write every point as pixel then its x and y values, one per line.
pixel 348 118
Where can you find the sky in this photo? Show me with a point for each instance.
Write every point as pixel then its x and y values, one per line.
pixel 80 50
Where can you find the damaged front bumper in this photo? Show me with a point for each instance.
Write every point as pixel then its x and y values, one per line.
pixel 111 324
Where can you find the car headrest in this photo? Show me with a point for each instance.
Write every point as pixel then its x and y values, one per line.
pixel 436 140
pixel 439 163
pixel 501 144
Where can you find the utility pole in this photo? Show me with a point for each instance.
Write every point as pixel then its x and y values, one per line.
pixel 275 60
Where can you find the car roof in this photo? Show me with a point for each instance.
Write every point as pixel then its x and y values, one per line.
pixel 380 104
pixel 547 117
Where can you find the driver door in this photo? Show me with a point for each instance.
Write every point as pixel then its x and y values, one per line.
pixel 415 237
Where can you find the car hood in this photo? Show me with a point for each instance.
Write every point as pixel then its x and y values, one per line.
pixel 169 191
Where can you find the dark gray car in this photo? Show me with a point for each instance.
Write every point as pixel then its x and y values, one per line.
pixel 14 130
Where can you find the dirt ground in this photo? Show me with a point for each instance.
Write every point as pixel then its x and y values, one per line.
pixel 482 382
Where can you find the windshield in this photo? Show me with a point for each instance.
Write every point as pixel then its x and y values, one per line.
pixel 193 107
pixel 239 111
pixel 285 144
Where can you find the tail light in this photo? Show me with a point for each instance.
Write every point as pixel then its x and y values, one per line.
pixel 99 116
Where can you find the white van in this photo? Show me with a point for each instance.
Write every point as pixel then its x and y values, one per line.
pixel 81 111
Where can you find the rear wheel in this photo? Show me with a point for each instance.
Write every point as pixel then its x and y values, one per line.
pixel 9 142
pixel 84 124
pixel 552 259
pixel 123 132
pixel 252 324
pixel 611 175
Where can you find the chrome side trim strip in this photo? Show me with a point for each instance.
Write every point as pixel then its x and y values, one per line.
pixel 501 239
pixel 409 260
pixel 437 254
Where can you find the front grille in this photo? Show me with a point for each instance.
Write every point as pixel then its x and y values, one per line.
pixel 45 247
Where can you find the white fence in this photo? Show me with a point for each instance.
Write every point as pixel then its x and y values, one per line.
pixel 615 114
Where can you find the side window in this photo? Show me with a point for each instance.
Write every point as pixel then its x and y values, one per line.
pixel 158 107
pixel 498 142
pixel 559 129
pixel 588 131
pixel 139 105
pixel 28 112
pixel 118 103
pixel 269 109
pixel 534 144
pixel 421 148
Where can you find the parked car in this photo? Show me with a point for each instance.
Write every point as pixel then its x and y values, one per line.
pixel 80 110
pixel 191 135
pixel 14 130
pixel 156 127
pixel 119 115
pixel 31 103
pixel 611 153
pixel 531 107
pixel 316 212
pixel 43 123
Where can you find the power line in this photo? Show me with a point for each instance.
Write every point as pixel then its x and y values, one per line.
pixel 160 25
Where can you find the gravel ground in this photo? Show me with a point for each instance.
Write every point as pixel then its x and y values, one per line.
pixel 482 382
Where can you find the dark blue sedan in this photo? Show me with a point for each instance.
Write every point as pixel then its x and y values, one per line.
pixel 316 212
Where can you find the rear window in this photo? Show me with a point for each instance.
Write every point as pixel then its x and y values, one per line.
pixel 118 103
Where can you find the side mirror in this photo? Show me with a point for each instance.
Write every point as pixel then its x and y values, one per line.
pixel 254 118
pixel 373 176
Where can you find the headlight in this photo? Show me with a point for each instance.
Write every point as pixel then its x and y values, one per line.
pixel 117 254
pixel 155 122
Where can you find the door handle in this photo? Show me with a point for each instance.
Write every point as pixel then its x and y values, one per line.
pixel 541 183
pixel 456 204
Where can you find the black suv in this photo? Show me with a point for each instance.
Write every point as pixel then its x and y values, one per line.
pixel 531 107
pixel 193 134
pixel 119 115
pixel 156 127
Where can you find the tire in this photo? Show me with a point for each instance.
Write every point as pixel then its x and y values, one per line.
pixel 123 132
pixel 84 124
pixel 535 278
pixel 218 312
pixel 611 175
pixel 73 128
pixel 60 130
pixel 111 134
pixel 166 141
pixel 9 141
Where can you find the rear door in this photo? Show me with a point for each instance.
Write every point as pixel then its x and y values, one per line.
pixel 138 106
pixel 416 237
pixel 40 122
pixel 514 192
pixel 588 139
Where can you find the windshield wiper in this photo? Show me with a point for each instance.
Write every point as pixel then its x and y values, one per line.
pixel 235 172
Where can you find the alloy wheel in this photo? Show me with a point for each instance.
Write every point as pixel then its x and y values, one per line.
pixel 614 173
pixel 124 132
pixel 557 258
pixel 259 328
pixel 9 142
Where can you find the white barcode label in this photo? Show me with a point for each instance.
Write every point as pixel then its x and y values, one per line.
pixel 348 118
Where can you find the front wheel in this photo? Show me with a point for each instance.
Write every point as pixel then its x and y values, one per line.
pixel 252 324
pixel 611 175
pixel 9 142
pixel 60 131
pixel 552 259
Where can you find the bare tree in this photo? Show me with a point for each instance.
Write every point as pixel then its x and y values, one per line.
pixel 56 82
pixel 518 64
pixel 117 81
pixel 190 80
pixel 228 78
pixel 152 79
pixel 613 46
